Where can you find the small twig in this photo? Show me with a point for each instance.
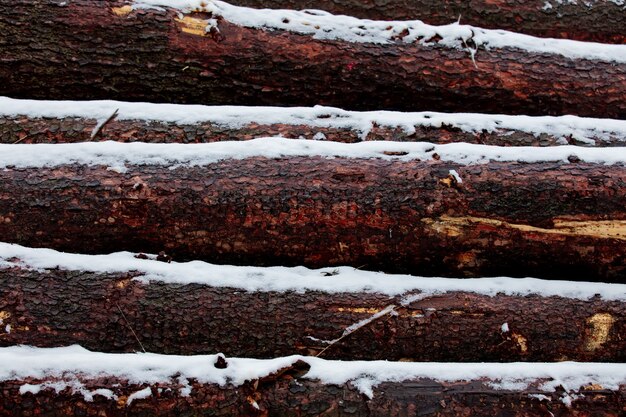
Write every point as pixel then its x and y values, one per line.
pixel 30 135
pixel 353 328
pixel 472 51
pixel 101 125
pixel 130 327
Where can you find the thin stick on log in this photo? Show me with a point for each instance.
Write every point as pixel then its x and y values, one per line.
pixel 356 326
pixel 220 54
pixel 130 327
pixel 33 121
pixel 54 299
pixel 99 126
pixel 598 21
pixel 158 385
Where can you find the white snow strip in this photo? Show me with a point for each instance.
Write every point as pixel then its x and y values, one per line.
pixel 139 395
pixel 69 382
pixel 456 176
pixel 586 130
pixel 74 362
pixel 30 388
pixel 299 279
pixel 323 25
pixel 587 3
pixel 117 155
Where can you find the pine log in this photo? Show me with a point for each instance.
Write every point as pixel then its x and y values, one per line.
pixel 72 381
pixel 35 121
pixel 117 303
pixel 598 21
pixel 451 210
pixel 87 49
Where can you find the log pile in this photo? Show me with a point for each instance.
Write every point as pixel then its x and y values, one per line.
pixel 367 259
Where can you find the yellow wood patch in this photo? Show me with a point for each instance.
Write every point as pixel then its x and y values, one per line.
pixel 122 11
pixel 193 25
pixel 602 229
pixel 359 310
pixel 520 341
pixel 599 330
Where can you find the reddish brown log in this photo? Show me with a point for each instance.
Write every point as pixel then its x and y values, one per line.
pixel 288 395
pixel 60 307
pixel 598 21
pixel 76 129
pixel 84 50
pixel 563 220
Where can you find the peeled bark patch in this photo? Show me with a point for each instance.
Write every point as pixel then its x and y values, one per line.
pixel 429 217
pixel 116 312
pixel 89 50
pixel 598 21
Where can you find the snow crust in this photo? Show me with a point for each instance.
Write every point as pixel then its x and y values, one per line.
pixel 323 25
pixel 299 279
pixel 117 156
pixel 139 395
pixel 74 362
pixel 579 128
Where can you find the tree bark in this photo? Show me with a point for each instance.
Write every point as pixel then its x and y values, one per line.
pixel 86 49
pixel 100 311
pixel 27 130
pixel 546 220
pixel 288 395
pixel 598 21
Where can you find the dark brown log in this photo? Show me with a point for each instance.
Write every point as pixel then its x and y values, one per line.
pixel 288 395
pixel 88 49
pixel 23 129
pixel 598 21
pixel 100 311
pixel 551 219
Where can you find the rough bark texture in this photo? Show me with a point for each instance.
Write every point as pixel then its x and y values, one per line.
pixel 60 308
pixel 24 129
pixel 288 395
pixel 554 220
pixel 598 21
pixel 84 50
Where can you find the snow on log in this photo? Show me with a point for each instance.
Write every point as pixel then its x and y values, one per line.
pixel 452 210
pixel 599 21
pixel 120 303
pixel 41 121
pixel 214 53
pixel 73 381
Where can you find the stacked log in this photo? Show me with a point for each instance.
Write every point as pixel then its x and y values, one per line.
pixel 55 299
pixel 161 385
pixel 455 209
pixel 40 121
pixel 110 50
pixel 281 232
